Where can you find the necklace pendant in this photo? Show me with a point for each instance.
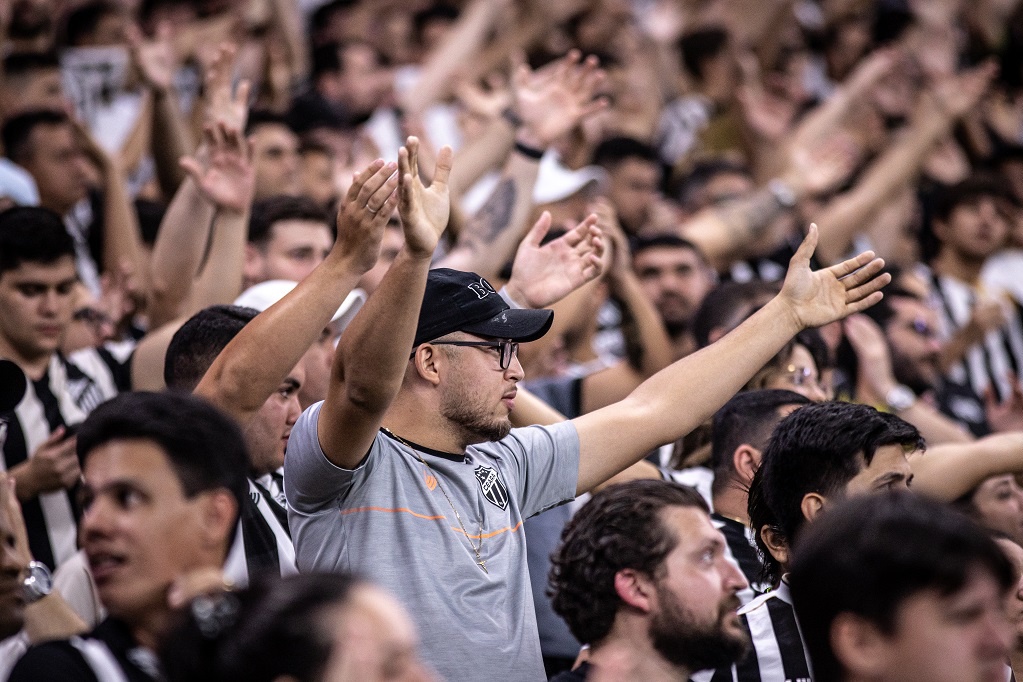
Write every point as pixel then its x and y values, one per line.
pixel 483 564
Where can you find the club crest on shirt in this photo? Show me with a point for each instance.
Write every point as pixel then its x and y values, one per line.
pixel 492 486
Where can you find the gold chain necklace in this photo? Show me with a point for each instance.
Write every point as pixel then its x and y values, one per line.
pixel 476 550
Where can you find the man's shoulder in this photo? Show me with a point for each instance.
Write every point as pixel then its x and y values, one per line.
pixel 57 661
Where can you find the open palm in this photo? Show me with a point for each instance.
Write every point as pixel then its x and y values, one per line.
pixel 819 297
pixel 424 210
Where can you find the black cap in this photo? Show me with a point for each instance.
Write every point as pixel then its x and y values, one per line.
pixel 457 301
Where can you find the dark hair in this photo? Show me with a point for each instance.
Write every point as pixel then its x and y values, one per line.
pixel 18 129
pixel 80 23
pixel 260 117
pixel 613 151
pixel 204 446
pixel 150 215
pixel 686 188
pixel 663 240
pixel 34 235
pixel 436 12
pixel 199 341
pixel 27 63
pixel 818 448
pixel 267 212
pixel 970 190
pixel 726 305
pixel 699 46
pixel 867 556
pixel 617 529
pixel 748 418
pixel 272 629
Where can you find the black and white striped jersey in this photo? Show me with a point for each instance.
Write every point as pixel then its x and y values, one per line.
pixel 63 396
pixel 742 552
pixel 1000 355
pixel 778 653
pixel 262 542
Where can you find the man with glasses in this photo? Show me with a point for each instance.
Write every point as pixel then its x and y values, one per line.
pixel 411 474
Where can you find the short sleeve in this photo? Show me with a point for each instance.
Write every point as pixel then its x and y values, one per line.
pixel 546 463
pixel 311 481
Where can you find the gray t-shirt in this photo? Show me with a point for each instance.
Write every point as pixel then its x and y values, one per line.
pixel 388 520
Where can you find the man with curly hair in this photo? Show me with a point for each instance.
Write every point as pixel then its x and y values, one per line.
pixel 642 577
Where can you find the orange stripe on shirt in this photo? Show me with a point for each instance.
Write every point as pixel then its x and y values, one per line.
pixel 484 536
pixel 391 511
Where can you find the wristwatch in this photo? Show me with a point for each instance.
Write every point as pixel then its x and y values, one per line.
pixel 38 582
pixel 900 397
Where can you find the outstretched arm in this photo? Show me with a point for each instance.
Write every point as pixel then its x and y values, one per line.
pixel 685 394
pixel 253 365
pixel 373 353
pixel 947 472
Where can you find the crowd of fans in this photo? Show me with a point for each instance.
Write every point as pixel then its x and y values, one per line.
pixel 511 339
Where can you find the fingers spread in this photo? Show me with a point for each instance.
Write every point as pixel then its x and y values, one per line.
pixel 862 275
pixel 539 229
pixel 866 290
pixel 853 264
pixel 443 169
pixel 806 249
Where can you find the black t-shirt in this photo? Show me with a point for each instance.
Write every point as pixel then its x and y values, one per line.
pixel 64 661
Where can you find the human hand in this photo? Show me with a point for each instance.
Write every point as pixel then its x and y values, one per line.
pixel 154 59
pixel 820 166
pixel 618 259
pixel 10 506
pixel 1005 415
pixel 988 315
pixel 543 275
pixel 364 213
pixel 815 298
pixel 224 172
pixel 424 210
pixel 872 353
pixel 487 103
pixel 553 100
pixel 958 94
pixel 232 108
pixel 188 586
pixel 53 466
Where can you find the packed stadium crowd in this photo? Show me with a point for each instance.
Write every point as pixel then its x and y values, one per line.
pixel 608 340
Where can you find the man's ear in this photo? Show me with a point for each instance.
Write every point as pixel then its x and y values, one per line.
pixel 812 505
pixel 635 589
pixel 427 361
pixel 253 267
pixel 859 646
pixel 746 461
pixel 776 544
pixel 219 511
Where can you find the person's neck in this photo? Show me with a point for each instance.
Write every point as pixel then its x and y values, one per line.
pixel 732 503
pixel 634 659
pixel 955 265
pixel 34 367
pixel 405 420
pixel 148 628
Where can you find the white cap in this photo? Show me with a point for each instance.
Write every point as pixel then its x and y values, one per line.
pixel 555 182
pixel 263 295
pixel 18 184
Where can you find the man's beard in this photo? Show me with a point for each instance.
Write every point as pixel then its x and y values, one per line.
pixel 684 643
pixel 475 425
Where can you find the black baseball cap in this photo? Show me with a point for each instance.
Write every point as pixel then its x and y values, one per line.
pixel 457 301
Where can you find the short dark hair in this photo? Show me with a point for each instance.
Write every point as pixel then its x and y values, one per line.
pixel 618 528
pixel 27 63
pixel 33 235
pixel 204 446
pixel 663 240
pixel 868 556
pixel 699 46
pixel 970 190
pixel 260 117
pixel 686 188
pixel 199 341
pixel 722 306
pixel 18 129
pixel 272 629
pixel 613 151
pixel 84 20
pixel 267 212
pixel 818 448
pixel 748 418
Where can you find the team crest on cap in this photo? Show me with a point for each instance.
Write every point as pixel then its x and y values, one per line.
pixel 482 289
pixel 492 486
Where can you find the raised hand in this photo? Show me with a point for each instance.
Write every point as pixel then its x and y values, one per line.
pixel 424 210
pixel 224 173
pixel 154 59
pixel 10 507
pixel 543 275
pixel 816 298
pixel 363 215
pixel 554 99
pixel 221 103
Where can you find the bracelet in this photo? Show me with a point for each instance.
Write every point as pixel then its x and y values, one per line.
pixel 529 152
